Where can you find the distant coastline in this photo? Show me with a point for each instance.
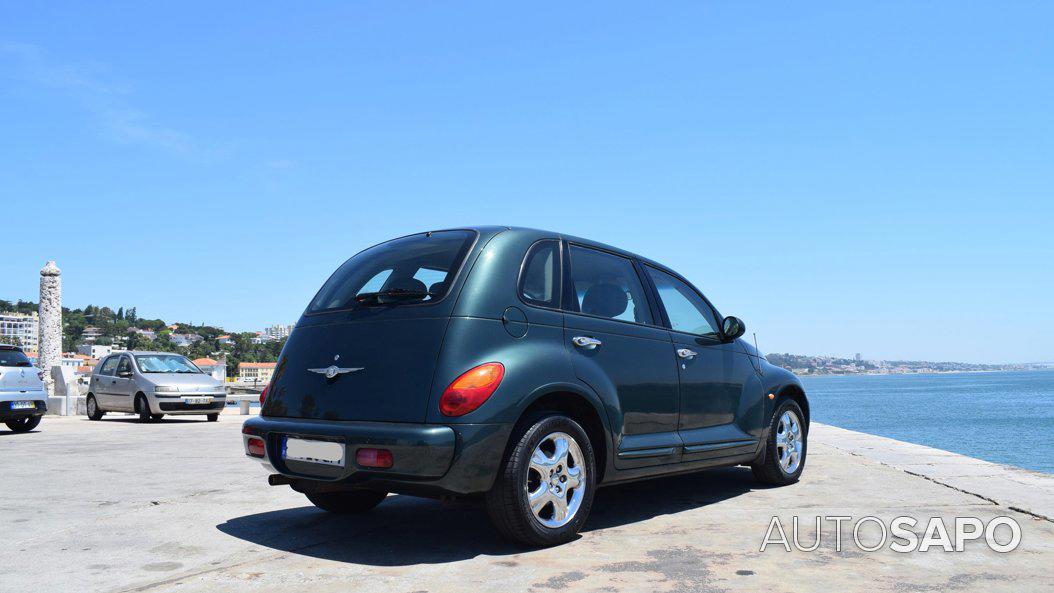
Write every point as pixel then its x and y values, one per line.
pixel 830 365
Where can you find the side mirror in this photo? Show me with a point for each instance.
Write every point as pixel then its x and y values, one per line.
pixel 733 327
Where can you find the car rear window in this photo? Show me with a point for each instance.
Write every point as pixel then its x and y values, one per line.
pixel 13 358
pixel 423 265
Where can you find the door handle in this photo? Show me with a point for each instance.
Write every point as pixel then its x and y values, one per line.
pixel 686 353
pixel 585 342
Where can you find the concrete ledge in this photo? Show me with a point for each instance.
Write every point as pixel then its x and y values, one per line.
pixel 1018 489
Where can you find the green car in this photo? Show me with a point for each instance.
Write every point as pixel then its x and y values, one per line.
pixel 521 367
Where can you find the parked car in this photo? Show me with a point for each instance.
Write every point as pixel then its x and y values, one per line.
pixel 520 366
pixel 153 384
pixel 23 400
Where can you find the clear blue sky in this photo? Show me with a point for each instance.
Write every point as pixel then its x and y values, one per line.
pixel 847 177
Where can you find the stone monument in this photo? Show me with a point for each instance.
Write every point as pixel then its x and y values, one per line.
pixel 50 347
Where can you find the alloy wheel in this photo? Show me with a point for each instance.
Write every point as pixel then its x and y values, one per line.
pixel 556 480
pixel 789 442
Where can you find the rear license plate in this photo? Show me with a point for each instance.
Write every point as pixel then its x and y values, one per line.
pixel 23 405
pixel 197 400
pixel 325 452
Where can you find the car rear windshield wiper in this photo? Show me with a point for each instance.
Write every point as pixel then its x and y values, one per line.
pixel 392 295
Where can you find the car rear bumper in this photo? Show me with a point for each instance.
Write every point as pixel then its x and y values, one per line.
pixel 6 413
pixel 427 459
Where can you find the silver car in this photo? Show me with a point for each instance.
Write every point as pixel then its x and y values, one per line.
pixel 22 397
pixel 153 384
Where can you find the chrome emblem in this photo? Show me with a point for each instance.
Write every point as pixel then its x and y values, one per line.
pixel 333 371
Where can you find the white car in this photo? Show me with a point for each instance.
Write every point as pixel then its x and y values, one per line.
pixel 23 400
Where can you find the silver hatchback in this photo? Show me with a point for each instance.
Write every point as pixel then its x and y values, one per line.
pixel 152 384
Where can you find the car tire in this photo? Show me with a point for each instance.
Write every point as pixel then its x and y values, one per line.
pixel 143 409
pixel 212 417
pixel 23 424
pixel 348 502
pixel 783 460
pixel 156 417
pixel 94 413
pixel 538 464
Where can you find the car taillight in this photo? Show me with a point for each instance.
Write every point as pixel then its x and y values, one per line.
pixel 471 389
pixel 255 447
pixel 373 457
pixel 263 394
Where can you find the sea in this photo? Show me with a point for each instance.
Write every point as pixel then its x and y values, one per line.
pixel 1003 417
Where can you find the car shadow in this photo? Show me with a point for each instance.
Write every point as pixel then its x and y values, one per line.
pixel 135 420
pixel 406 530
pixel 4 432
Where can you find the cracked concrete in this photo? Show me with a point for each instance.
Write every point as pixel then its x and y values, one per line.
pixel 120 506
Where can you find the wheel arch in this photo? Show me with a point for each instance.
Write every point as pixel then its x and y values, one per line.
pixel 795 392
pixel 577 405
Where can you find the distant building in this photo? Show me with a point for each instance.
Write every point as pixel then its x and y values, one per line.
pixel 97 350
pixel 256 372
pixel 90 334
pixel 212 367
pixel 858 359
pixel 20 329
pixel 184 340
pixel 225 340
pixel 277 332
pixel 144 333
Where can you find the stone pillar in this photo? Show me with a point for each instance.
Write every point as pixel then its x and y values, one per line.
pixel 50 348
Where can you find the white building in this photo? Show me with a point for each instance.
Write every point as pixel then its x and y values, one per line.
pixel 97 350
pixel 277 332
pixel 22 329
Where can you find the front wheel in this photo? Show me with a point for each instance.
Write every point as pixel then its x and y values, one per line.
pixel 143 409
pixel 213 417
pixel 544 491
pixel 23 424
pixel 785 449
pixel 347 502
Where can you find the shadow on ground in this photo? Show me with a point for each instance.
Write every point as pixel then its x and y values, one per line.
pixel 405 530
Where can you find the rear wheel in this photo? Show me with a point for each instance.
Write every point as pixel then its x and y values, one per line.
pixel 23 424
pixel 94 413
pixel 544 492
pixel 785 450
pixel 348 502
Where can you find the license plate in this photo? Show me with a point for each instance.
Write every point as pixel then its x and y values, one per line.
pixel 325 452
pixel 197 400
pixel 23 405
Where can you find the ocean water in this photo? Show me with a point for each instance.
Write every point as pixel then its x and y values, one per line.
pixel 1005 417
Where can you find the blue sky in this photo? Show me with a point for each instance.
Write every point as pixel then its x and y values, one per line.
pixel 846 177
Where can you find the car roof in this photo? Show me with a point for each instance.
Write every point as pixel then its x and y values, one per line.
pixel 11 347
pixel 489 231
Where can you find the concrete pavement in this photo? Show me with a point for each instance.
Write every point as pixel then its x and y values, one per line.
pixel 121 506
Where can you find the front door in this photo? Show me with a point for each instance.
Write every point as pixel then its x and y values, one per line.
pixel 714 373
pixel 124 385
pixel 618 349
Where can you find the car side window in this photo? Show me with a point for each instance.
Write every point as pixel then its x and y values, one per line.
pixel 540 275
pixel 607 285
pixel 125 366
pixel 688 312
pixel 109 366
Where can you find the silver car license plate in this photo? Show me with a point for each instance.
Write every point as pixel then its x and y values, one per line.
pixel 23 405
pixel 197 400
pixel 325 452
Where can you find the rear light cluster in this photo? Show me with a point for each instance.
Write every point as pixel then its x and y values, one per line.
pixel 373 457
pixel 255 446
pixel 263 394
pixel 471 389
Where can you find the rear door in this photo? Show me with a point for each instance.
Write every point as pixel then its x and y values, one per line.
pixel 713 373
pixel 617 348
pixel 104 383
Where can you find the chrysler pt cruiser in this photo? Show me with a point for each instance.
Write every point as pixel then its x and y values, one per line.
pixel 522 367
